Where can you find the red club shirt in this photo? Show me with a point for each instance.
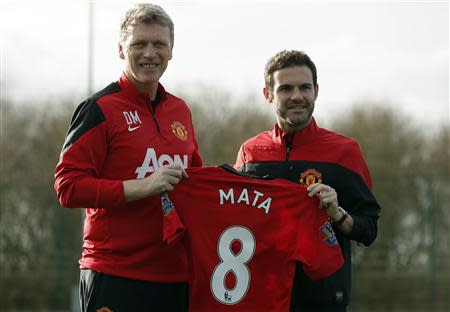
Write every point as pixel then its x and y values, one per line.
pixel 118 135
pixel 243 238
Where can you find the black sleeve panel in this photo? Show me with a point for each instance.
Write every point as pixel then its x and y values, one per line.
pixel 357 199
pixel 87 116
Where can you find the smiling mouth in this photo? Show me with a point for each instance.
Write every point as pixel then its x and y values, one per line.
pixel 148 66
pixel 297 108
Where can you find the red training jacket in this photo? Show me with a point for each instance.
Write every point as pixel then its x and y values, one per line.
pixel 116 135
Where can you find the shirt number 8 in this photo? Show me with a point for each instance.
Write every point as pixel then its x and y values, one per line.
pixel 235 263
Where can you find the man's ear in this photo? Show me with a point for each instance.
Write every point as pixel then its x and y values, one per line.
pixel 267 95
pixel 317 92
pixel 121 51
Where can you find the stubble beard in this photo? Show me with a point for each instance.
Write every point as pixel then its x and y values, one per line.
pixel 296 122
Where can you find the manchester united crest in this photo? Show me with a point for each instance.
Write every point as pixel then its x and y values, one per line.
pixel 179 130
pixel 104 309
pixel 310 176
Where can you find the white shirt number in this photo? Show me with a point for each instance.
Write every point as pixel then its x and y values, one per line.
pixel 233 263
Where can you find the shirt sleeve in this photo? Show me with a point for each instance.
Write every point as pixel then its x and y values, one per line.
pixel 240 159
pixel 317 247
pixel 365 222
pixel 197 160
pixel 173 228
pixel 78 183
pixel 356 197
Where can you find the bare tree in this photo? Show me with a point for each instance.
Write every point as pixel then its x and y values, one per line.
pixel 38 239
pixel 41 242
pixel 409 170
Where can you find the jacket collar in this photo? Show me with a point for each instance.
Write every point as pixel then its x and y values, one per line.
pixel 302 137
pixel 131 91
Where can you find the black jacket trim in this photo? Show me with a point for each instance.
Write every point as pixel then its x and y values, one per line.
pixel 87 116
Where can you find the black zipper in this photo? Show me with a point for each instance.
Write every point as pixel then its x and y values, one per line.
pixel 288 152
pixel 288 147
pixel 153 108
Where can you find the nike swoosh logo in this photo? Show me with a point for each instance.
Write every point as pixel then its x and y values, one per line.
pixel 130 128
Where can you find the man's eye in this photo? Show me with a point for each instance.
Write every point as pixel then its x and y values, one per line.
pixel 137 44
pixel 160 44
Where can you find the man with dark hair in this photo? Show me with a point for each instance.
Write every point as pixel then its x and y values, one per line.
pixel 126 145
pixel 330 165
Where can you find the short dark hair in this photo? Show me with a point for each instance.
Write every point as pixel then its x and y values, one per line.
pixel 286 59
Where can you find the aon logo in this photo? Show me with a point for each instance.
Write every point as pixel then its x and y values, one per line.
pixel 152 162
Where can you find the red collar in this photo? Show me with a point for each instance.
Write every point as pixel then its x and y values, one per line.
pixel 130 89
pixel 302 137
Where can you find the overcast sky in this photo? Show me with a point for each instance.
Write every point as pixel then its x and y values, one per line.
pixel 384 50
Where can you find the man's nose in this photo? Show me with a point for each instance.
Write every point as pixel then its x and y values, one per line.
pixel 296 94
pixel 149 51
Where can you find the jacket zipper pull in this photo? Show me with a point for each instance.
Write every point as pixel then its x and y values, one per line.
pixel 288 148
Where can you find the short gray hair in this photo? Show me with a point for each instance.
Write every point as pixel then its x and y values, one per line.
pixel 146 13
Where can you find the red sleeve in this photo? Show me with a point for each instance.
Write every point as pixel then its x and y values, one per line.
pixel 173 228
pixel 196 158
pixel 318 248
pixel 77 175
pixel 240 160
pixel 353 159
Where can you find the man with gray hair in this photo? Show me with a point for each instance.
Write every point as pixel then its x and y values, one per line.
pixel 125 146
